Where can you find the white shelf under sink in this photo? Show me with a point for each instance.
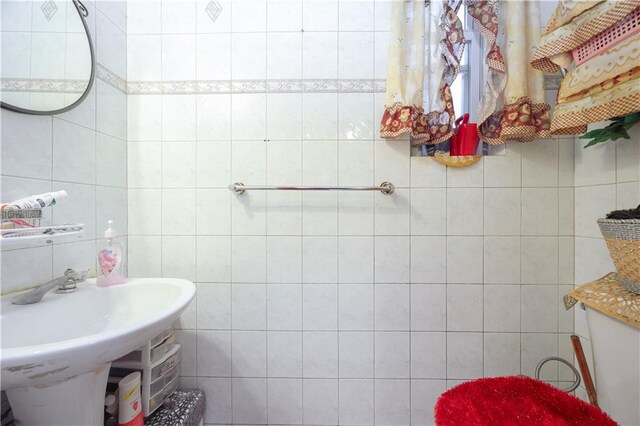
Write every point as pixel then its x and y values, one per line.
pixel 37 236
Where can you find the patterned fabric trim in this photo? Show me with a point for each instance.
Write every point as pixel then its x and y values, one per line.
pixel 485 15
pixel 572 117
pixel 399 119
pixel 567 10
pixel 616 61
pixel 522 121
pixel 602 86
pixel 423 128
pixel 607 295
pixel 595 20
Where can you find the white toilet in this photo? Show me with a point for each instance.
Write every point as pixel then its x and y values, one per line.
pixel 616 359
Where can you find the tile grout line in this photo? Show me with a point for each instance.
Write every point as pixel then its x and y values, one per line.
pixel 195 207
pixel 266 197
pixel 337 53
pixel 301 198
pixel 231 243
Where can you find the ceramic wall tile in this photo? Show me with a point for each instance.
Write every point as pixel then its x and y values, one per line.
pixel 285 401
pixel 596 165
pixel 213 56
pixel 502 308
pixel 464 211
pixel 392 355
pixel 463 313
pixel 178 57
pixel 144 17
pixel 392 402
pixel 464 355
pixel 356 401
pixel 249 16
pixel 428 307
pixel 320 354
pixel 249 59
pixel 284 354
pixel 207 106
pixel 74 153
pixel 428 211
pixel 392 307
pixel 284 307
pixel 320 16
pixel 249 400
pixel 424 394
pixel 178 17
pixel 593 203
pixel 356 354
pixel 501 354
pixel 428 355
pixel 320 401
pixel 284 15
pixel 356 307
pixel 355 54
pixel 213 17
pixel 329 282
pixel 540 163
pixel 144 60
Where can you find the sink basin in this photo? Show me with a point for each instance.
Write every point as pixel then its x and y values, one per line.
pixel 69 340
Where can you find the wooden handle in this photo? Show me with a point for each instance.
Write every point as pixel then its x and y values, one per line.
pixel 584 369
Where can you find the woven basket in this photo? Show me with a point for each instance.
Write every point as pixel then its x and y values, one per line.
pixel 623 240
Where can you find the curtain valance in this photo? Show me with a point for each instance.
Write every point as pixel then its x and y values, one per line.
pixel 426 44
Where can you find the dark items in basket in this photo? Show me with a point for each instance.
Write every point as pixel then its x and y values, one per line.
pixel 625 214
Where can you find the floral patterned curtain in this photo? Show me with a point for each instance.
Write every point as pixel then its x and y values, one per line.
pixel 524 114
pixel 426 44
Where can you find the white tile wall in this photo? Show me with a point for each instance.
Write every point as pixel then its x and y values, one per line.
pixel 607 177
pixel 83 151
pixel 334 309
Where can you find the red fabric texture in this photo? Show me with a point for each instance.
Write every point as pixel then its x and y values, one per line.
pixel 520 401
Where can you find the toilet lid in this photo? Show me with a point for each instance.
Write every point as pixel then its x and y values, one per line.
pixel 520 401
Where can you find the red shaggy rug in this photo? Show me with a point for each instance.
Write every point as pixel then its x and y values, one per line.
pixel 517 401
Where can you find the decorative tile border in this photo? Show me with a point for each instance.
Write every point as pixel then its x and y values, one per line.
pixel 204 87
pixel 42 85
pixel 111 78
pixel 254 86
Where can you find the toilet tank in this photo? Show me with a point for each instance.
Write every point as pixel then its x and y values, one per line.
pixel 616 360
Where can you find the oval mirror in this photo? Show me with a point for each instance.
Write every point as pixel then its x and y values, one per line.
pixel 47 58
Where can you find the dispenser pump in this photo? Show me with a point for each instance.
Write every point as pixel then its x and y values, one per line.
pixel 111 259
pixel 110 232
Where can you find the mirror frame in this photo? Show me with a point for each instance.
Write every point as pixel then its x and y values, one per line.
pixel 82 12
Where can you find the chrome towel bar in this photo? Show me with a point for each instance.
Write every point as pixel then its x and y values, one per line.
pixel 386 188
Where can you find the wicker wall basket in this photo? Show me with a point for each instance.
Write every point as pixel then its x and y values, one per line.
pixel 623 240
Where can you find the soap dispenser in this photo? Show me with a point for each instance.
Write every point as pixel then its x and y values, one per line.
pixel 111 259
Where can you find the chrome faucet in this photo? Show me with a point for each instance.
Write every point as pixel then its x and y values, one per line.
pixel 66 284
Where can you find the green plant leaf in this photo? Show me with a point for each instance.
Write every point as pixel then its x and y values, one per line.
pixel 631 118
pixel 617 129
pixel 620 133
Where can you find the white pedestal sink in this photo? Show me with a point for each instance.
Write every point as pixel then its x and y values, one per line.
pixel 56 353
